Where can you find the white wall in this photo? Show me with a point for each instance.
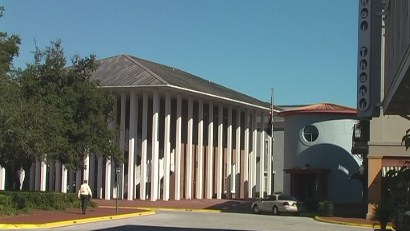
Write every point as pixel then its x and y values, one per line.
pixel 331 150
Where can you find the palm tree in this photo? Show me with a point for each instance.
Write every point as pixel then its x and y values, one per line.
pixel 383 213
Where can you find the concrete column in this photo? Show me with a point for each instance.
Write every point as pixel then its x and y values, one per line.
pixel 178 149
pixel 219 170
pixel 122 120
pixel 70 185
pixel 123 143
pixel 210 159
pixel 374 184
pixel 108 180
pixel 37 176
pixel 229 177
pixel 64 176
pixel 99 177
pixel 155 148
pixel 91 172
pixel 137 143
pixel 246 183
pixel 167 147
pixel 57 185
pixel 200 168
pixel 189 155
pixel 43 176
pixel 2 178
pixel 269 164
pixel 78 181
pixel 238 155
pixel 51 177
pixel 86 170
pixel 131 145
pixel 33 176
pixel 144 146
pixel 113 178
pixel 254 153
pixel 262 159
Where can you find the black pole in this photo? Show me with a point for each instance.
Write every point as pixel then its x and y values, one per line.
pixel 272 144
pixel 117 171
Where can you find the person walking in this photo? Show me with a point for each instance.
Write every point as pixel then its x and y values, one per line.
pixel 84 194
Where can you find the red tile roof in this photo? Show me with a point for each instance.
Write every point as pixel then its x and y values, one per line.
pixel 322 108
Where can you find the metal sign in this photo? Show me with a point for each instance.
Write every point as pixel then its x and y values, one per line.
pixel 369 58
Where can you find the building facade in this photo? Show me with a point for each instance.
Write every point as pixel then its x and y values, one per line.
pixel 386 131
pixel 318 163
pixel 182 137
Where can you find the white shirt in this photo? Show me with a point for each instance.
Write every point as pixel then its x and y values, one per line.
pixel 85 190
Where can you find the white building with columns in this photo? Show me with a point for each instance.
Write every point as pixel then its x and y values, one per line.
pixel 183 137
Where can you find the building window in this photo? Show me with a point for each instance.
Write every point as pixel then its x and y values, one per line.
pixel 310 133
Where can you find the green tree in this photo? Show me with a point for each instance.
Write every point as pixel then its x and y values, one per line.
pixel 11 105
pixel 50 111
pixel 9 48
pixel 69 111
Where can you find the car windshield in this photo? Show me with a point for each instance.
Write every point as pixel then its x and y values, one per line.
pixel 287 198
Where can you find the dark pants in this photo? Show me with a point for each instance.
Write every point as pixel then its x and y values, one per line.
pixel 84 202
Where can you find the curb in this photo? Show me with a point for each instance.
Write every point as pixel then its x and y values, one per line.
pixel 73 222
pixel 169 209
pixel 316 218
pixel 182 209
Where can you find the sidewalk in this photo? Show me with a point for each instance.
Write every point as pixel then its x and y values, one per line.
pixel 107 210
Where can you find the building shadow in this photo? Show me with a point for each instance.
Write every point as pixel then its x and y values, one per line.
pixel 234 206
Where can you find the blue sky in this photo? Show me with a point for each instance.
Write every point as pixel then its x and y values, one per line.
pixel 306 50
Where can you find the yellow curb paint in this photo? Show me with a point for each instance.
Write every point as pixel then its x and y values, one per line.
pixel 169 209
pixel 122 207
pixel 182 209
pixel 340 222
pixel 347 223
pixel 18 226
pixel 72 222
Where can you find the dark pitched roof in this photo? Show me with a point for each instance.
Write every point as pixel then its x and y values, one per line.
pixel 129 71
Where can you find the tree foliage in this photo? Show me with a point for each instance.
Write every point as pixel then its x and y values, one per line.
pixel 11 102
pixel 68 108
pixel 9 48
pixel 49 111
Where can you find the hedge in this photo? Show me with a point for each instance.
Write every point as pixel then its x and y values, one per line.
pixel 12 202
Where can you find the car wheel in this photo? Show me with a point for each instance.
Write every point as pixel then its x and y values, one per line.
pixel 255 209
pixel 275 210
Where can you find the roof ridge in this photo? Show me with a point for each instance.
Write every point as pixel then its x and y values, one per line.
pixel 132 59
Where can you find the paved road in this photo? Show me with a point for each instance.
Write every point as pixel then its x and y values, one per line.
pixel 189 221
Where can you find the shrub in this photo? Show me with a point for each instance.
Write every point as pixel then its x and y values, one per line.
pixel 6 205
pixel 383 213
pixel 12 202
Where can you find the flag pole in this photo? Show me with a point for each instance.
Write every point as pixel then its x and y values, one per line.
pixel 271 116
pixel 272 175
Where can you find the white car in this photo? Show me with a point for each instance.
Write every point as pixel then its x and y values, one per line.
pixel 277 203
